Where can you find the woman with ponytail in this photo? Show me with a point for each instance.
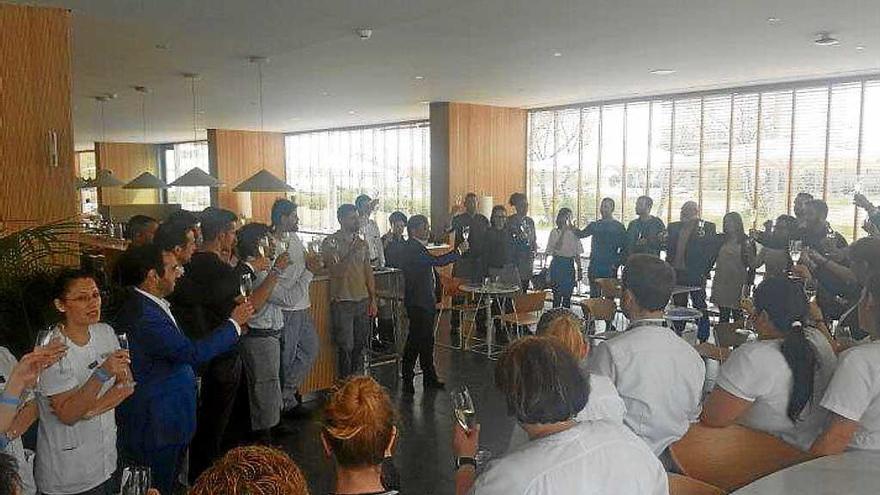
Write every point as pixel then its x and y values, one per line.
pixel 359 433
pixel 775 384
pixel 853 396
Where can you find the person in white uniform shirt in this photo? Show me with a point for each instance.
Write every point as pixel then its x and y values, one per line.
pixel 604 403
pixel 17 411
pixel 774 385
pixel 76 441
pixel 659 376
pixel 565 270
pixel 853 396
pixel 370 229
pixel 299 339
pixel 544 390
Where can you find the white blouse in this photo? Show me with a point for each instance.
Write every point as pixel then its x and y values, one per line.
pixel 25 458
pixel 854 393
pixel 757 372
pixel 76 458
pixel 569 247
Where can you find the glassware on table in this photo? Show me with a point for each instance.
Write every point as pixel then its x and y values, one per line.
pixel 136 480
pixel 246 286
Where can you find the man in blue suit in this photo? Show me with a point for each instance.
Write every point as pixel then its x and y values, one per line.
pixel 158 421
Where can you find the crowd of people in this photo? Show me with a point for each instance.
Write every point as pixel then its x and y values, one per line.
pixel 210 320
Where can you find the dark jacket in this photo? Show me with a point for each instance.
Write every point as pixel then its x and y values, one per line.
pixel 162 410
pixel 205 295
pixel 418 265
pixel 498 249
pixel 649 230
pixel 478 225
pixel 700 255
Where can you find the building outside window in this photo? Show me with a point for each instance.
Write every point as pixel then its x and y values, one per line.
pixel 85 166
pixel 178 159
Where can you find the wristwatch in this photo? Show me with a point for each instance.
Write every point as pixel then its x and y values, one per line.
pixel 465 461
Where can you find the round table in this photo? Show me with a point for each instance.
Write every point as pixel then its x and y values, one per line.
pixel 850 473
pixel 488 293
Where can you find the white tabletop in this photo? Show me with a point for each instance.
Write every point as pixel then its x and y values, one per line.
pixel 491 289
pixel 850 473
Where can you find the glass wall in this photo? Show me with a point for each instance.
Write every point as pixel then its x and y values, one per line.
pixel 749 150
pixel 85 166
pixel 330 168
pixel 178 159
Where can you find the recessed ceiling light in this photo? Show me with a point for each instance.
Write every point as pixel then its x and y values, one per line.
pixel 825 39
pixel 557 54
pixel 425 102
pixel 351 112
pixel 419 78
pixel 325 93
pixel 773 21
pixel 663 72
pixel 860 47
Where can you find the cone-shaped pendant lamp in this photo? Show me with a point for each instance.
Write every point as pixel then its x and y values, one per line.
pixel 105 178
pixel 146 181
pixel 263 181
pixel 196 177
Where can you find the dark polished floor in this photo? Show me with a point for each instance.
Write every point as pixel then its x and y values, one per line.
pixel 424 454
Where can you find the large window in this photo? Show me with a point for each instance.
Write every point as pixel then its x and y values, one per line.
pixel 749 150
pixel 85 166
pixel 179 159
pixel 330 168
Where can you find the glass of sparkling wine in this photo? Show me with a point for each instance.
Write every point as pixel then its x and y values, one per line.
pixel 246 287
pixel 463 406
pixel 795 247
pixel 465 233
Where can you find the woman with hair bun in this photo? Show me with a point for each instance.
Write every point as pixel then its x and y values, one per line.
pixel 359 433
pixel 775 384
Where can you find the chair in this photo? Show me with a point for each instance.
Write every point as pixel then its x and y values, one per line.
pixel 682 485
pixel 610 287
pixel 450 290
pixel 726 334
pixel 527 309
pixel 598 308
pixel 731 457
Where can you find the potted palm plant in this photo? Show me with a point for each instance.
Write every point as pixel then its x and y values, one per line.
pixel 28 260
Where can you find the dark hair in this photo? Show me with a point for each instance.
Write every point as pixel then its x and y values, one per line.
pixel 786 305
pixel 867 250
pixel 415 222
pixel 516 198
pixel 215 222
pixel 803 195
pixel 649 199
pixel 345 209
pixel 470 195
pixel 184 217
pixel 140 260
pixel 820 206
pixel 737 220
pixel 610 200
pixel 281 208
pixel 561 213
pixel 170 235
pixel 650 280
pixel 361 201
pixel 137 225
pixel 10 481
pixel 498 208
pixel 396 216
pixel 549 316
pixel 65 277
pixel 786 219
pixel 248 240
pixel 541 381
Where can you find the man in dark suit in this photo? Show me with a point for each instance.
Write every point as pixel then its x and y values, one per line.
pixel 691 251
pixel 158 422
pixel 418 265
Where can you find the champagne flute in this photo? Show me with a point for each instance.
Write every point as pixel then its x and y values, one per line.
pixel 124 345
pixel 246 286
pixel 465 232
pixel 795 248
pixel 136 480
pixel 463 406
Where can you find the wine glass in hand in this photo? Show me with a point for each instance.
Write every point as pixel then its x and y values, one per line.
pixel 246 286
pixel 463 406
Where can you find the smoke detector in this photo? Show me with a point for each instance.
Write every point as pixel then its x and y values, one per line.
pixel 364 33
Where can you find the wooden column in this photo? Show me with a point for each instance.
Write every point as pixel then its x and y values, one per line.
pixel 35 87
pixel 237 155
pixel 475 148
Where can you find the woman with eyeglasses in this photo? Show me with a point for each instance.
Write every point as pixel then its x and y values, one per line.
pixel 774 384
pixel 76 397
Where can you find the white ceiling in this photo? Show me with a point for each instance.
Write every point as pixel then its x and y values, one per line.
pixel 497 52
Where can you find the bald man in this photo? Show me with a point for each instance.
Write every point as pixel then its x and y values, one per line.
pixel 691 250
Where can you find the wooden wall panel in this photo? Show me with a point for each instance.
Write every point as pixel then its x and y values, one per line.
pixel 35 87
pixel 235 156
pixel 485 153
pixel 323 374
pixel 127 161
